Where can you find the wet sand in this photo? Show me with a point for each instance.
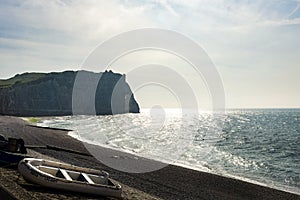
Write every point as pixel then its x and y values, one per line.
pixel 171 182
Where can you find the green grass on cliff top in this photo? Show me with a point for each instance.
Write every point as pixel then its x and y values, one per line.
pixel 19 79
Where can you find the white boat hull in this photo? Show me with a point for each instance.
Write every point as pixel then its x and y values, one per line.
pixel 42 172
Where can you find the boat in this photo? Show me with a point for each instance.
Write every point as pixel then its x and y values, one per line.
pixel 68 177
pixel 9 158
pixel 3 142
pixel 14 145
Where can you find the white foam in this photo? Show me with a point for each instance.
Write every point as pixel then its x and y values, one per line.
pixel 122 132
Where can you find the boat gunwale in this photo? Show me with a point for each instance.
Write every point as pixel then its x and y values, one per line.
pixel 27 163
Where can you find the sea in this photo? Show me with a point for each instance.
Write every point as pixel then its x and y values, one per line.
pixel 261 146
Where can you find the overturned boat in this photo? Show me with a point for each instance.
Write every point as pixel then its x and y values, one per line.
pixel 68 177
pixel 9 158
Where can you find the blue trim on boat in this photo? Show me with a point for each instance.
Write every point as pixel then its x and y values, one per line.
pixel 10 158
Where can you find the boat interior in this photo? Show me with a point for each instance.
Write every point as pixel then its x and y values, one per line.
pixel 74 175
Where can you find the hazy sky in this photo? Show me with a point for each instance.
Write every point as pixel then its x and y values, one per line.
pixel 255 44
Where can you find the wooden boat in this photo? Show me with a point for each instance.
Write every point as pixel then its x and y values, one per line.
pixel 68 177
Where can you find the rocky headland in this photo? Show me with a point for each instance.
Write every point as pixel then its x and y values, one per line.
pixel 52 94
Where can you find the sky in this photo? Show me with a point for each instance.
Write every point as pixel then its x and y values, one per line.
pixel 254 45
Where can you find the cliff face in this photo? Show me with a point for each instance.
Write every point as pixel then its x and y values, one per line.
pixel 33 94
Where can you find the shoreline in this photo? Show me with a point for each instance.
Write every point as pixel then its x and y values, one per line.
pixel 283 188
pixel 247 180
pixel 170 182
pixel 278 186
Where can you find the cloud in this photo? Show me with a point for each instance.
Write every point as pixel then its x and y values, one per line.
pixel 71 21
pixel 235 14
pixel 60 32
pixel 85 19
pixel 241 37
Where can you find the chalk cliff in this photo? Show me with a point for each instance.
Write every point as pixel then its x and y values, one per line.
pixel 51 94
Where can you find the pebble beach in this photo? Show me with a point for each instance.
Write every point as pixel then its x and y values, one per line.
pixel 170 182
